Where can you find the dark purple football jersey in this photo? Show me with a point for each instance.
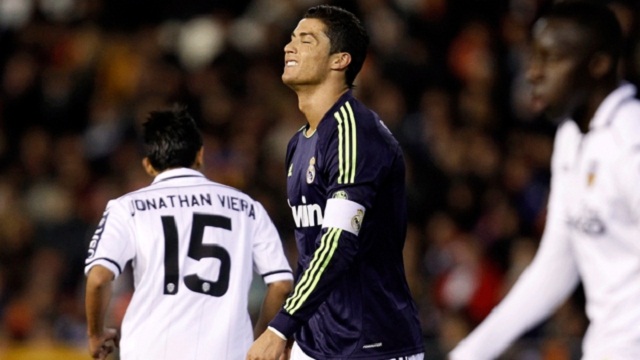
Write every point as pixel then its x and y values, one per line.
pixel 351 298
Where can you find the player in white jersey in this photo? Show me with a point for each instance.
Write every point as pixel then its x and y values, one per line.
pixel 194 245
pixel 593 222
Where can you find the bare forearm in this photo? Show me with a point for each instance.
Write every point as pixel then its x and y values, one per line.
pixel 98 295
pixel 276 293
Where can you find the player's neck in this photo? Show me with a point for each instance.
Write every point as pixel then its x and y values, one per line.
pixel 583 116
pixel 315 102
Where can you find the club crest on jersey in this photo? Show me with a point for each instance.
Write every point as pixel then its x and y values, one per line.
pixel 356 221
pixel 591 174
pixel 340 194
pixel 311 170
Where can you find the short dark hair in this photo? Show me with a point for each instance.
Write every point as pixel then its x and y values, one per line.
pixel 346 34
pixel 596 20
pixel 172 139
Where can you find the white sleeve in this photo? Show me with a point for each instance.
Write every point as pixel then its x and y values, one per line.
pixel 543 286
pixel 628 170
pixel 269 259
pixel 112 244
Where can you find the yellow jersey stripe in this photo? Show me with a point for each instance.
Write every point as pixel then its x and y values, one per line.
pixel 312 275
pixel 353 143
pixel 340 149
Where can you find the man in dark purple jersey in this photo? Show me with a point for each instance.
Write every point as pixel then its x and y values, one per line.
pixel 345 187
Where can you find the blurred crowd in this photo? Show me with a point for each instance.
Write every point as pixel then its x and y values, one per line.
pixel 78 77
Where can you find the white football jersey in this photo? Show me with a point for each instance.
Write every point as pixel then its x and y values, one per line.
pixel 194 245
pixel 592 234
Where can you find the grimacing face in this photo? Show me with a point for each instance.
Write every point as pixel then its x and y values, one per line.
pixel 558 70
pixel 306 56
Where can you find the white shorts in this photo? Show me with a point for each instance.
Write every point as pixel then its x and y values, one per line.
pixel 298 354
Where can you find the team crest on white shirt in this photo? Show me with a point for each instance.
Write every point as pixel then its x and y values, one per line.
pixel 591 174
pixel 311 170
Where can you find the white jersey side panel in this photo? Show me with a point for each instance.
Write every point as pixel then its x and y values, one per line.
pixel 194 245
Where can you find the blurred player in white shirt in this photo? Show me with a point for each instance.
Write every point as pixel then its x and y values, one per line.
pixel 593 223
pixel 194 245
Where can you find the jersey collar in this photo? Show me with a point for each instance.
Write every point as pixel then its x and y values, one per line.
pixel 176 173
pixel 607 109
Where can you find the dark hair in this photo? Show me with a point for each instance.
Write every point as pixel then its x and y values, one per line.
pixel 597 22
pixel 171 139
pixel 346 34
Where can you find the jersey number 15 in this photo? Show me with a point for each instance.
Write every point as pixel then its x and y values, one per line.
pixel 197 251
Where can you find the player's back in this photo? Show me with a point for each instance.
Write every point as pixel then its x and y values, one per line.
pixel 192 243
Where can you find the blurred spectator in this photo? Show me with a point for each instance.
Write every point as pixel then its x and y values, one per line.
pixel 472 285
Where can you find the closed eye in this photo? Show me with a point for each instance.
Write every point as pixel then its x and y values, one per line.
pixel 307 38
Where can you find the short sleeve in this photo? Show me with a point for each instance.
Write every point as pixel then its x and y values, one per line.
pixel 112 244
pixel 268 255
